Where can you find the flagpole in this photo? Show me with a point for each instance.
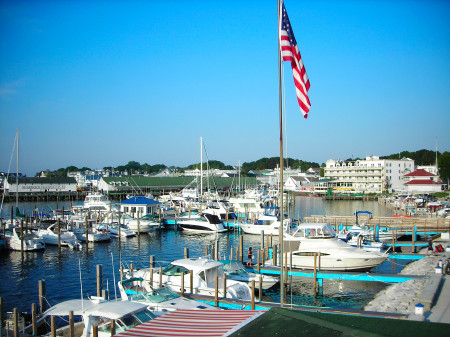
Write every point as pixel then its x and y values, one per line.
pixel 281 228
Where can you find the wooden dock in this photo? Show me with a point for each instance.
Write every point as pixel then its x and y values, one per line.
pixel 401 224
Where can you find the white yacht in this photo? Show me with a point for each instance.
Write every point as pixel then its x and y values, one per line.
pixel 78 226
pixel 246 206
pixel 158 300
pixel 95 202
pixel 100 313
pixel 145 224
pixel 360 237
pixel 113 229
pixel 50 237
pixel 236 271
pixel 31 241
pixel 268 222
pixel 335 254
pixel 204 271
pixel 205 222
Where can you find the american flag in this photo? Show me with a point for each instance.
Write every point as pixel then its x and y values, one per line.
pixel 290 52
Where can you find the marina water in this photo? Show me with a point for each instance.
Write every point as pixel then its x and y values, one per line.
pixel 68 271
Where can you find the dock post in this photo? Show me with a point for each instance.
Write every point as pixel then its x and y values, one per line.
pixel 262 239
pixel 33 319
pixel 253 294
pixel 285 267
pixel 87 231
pixel 21 236
pixel 59 234
pixel 113 327
pixel 224 285
pixel 191 282
pixel 53 326
pixel 274 255
pixel 42 295
pixel 186 253
pixel 216 291
pixel 2 313
pixel 182 285
pixel 315 276
pixel 118 220
pixel 377 235
pixel 263 257
pixel 139 223
pixel 231 253
pixel 216 252
pixel 95 331
pixel 257 261
pixel 260 288
pixel 99 280
pixel 121 273
pixel 160 277
pixel 206 250
pixel 71 324
pixel 152 266
pixel 241 248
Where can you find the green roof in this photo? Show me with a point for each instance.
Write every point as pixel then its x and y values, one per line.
pixel 286 322
pixel 141 181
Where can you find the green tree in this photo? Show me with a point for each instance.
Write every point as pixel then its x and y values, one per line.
pixel 444 166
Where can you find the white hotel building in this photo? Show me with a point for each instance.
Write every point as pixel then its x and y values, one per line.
pixel 372 175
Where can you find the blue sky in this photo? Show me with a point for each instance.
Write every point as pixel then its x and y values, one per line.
pixel 99 83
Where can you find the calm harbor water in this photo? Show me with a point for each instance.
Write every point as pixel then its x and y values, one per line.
pixel 62 270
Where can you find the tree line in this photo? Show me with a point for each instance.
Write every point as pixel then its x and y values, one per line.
pixel 421 157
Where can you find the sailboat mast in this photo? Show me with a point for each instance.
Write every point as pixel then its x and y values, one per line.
pixel 17 170
pixel 280 101
pixel 201 170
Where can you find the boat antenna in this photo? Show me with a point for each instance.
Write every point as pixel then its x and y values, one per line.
pixel 114 275
pixel 81 285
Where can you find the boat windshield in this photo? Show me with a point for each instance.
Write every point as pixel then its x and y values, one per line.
pixel 174 270
pixel 314 232
pixel 209 276
pixel 126 322
pixel 155 296
pixel 235 269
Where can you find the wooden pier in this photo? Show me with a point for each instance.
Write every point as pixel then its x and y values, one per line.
pixel 400 224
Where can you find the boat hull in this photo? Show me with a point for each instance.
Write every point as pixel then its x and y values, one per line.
pixel 335 263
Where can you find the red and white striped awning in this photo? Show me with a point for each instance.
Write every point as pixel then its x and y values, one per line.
pixel 194 323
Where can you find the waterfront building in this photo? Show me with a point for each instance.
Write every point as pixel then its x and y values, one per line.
pixel 41 184
pixel 429 168
pixel 370 175
pixel 421 181
pixel 303 183
pixel 165 184
pixel 139 205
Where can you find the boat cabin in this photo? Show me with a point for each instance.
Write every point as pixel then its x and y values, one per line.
pixel 321 230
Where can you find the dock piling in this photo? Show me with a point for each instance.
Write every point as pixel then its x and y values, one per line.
pixel 33 319
pixel 71 324
pixel 42 295
pixel 99 279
